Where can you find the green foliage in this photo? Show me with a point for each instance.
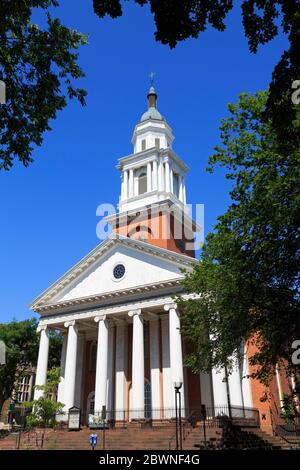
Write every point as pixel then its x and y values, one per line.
pixel 55 345
pixel 38 66
pixel 32 421
pixel 248 277
pixel 45 408
pixel 44 411
pixel 176 21
pixel 53 379
pixel 289 409
pixel 22 344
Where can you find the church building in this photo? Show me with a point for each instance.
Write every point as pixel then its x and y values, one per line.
pixel 115 308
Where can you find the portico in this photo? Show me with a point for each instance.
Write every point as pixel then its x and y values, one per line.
pixel 134 344
pixel 113 356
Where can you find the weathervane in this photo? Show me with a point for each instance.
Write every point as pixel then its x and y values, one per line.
pixel 151 76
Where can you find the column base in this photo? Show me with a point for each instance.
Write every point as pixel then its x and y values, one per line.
pixel 140 423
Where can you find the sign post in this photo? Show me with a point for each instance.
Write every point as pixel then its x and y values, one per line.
pixel 74 419
pixel 11 411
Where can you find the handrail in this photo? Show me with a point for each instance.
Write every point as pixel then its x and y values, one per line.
pixel 187 421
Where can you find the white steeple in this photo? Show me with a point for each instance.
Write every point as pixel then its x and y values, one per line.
pixel 153 172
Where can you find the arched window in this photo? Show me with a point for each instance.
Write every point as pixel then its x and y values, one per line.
pixel 148 399
pixel 91 403
pixel 141 176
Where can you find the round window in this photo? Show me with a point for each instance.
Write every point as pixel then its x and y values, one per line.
pixel 119 271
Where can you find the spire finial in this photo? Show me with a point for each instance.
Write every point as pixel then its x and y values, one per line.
pixel 152 96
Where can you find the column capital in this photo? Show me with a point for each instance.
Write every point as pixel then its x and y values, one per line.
pixel 69 323
pixel 168 307
pixel 42 328
pixel 99 318
pixel 138 312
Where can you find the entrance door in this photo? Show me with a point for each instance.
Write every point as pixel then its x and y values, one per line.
pixel 90 408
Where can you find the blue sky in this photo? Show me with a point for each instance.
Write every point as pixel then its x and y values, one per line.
pixel 48 210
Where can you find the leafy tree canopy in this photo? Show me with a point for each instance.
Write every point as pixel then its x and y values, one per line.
pixel 179 20
pixel 22 344
pixel 248 275
pixel 38 66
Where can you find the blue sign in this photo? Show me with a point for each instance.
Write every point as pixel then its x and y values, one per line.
pixel 93 440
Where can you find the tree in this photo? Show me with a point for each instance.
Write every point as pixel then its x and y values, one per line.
pixel 248 275
pixel 38 66
pixel 176 21
pixel 55 345
pixel 22 342
pixel 45 408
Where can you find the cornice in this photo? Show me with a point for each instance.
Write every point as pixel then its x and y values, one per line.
pixel 170 203
pixel 109 297
pixel 124 161
pixel 151 152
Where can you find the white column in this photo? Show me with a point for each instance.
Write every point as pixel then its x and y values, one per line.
pixel 155 177
pixel 167 177
pixel 246 386
pixel 175 348
pixel 138 372
pixel 160 176
pixel 168 392
pixel 180 188
pixel 60 391
pixel 171 181
pixel 125 184
pixel 278 382
pixel 110 359
pixel 131 183
pixel 149 182
pixel 71 363
pixel 101 365
pixel 154 365
pixel 120 379
pixel 235 388
pixel 42 364
pixel 122 187
pixel 219 389
pixel 183 192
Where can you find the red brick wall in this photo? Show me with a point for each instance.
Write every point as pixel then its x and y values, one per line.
pixel 89 376
pixel 267 398
pixel 159 231
pixel 193 384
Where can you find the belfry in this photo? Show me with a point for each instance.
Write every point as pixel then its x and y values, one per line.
pixel 115 308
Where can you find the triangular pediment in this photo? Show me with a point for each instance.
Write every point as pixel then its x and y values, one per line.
pixel 144 265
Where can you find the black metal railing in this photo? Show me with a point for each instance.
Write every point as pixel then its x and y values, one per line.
pixel 288 430
pixel 210 417
pixel 213 416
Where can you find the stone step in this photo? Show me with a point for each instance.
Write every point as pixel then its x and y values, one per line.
pixel 159 438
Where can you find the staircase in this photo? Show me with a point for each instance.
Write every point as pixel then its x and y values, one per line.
pixel 129 438
pixel 148 438
pixel 234 438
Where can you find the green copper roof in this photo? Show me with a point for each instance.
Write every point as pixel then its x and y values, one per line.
pixel 152 113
